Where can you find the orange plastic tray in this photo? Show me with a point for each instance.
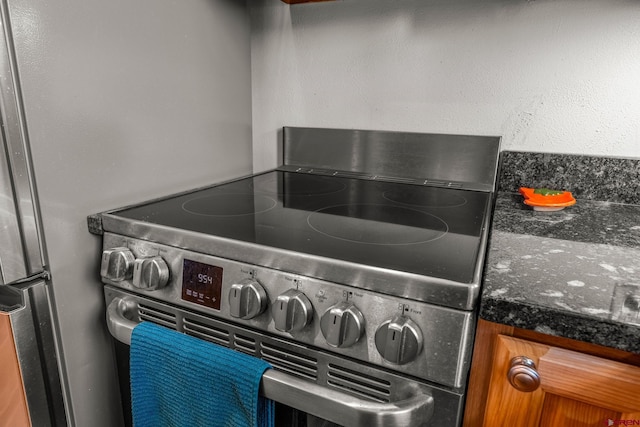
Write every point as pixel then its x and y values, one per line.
pixel 548 202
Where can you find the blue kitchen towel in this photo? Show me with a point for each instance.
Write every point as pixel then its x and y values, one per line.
pixel 181 381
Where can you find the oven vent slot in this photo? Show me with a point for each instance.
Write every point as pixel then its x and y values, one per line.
pixel 207 332
pixel 159 317
pixel 291 362
pixel 358 383
pixel 244 344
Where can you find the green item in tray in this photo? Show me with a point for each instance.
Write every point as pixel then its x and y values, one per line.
pixel 547 192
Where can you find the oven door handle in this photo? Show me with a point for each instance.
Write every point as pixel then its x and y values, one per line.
pixel 323 402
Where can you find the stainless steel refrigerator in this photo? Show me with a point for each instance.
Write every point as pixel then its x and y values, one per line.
pixel 103 104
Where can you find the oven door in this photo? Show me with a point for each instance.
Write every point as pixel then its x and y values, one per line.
pixel 284 415
pixel 299 402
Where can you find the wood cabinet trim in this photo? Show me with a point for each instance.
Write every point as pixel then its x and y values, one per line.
pixel 13 404
pixel 598 380
pixel 486 334
pixel 579 346
pixel 502 399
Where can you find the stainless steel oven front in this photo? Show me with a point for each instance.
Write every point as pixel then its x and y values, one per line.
pixel 354 373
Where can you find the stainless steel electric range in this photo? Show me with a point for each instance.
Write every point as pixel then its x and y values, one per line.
pixel 354 269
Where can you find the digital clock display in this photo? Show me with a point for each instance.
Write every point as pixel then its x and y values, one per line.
pixel 201 283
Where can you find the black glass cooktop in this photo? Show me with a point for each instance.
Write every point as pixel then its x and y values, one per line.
pixel 419 229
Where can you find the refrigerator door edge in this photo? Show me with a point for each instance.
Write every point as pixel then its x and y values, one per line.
pixel 21 253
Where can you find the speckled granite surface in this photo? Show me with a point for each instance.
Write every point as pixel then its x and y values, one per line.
pixel 587 177
pixel 574 273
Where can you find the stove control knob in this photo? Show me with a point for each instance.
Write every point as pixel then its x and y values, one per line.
pixel 291 311
pixel 117 264
pixel 247 299
pixel 150 273
pixel 342 325
pixel 399 340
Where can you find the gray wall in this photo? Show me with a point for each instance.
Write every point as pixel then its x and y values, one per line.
pixel 548 75
pixel 124 101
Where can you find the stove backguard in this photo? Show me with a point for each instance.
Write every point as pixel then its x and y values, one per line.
pixel 457 161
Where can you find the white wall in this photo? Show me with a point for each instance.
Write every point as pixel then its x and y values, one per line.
pixel 124 101
pixel 549 75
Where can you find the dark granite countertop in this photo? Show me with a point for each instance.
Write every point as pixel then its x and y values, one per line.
pixel 573 273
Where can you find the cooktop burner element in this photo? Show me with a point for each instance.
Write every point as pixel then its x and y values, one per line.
pixel 232 204
pixel 375 224
pixel 431 200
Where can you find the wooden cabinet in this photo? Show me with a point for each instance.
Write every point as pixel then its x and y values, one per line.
pixel 580 384
pixel 13 404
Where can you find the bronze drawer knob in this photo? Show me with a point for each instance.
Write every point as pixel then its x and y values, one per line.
pixel 522 374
